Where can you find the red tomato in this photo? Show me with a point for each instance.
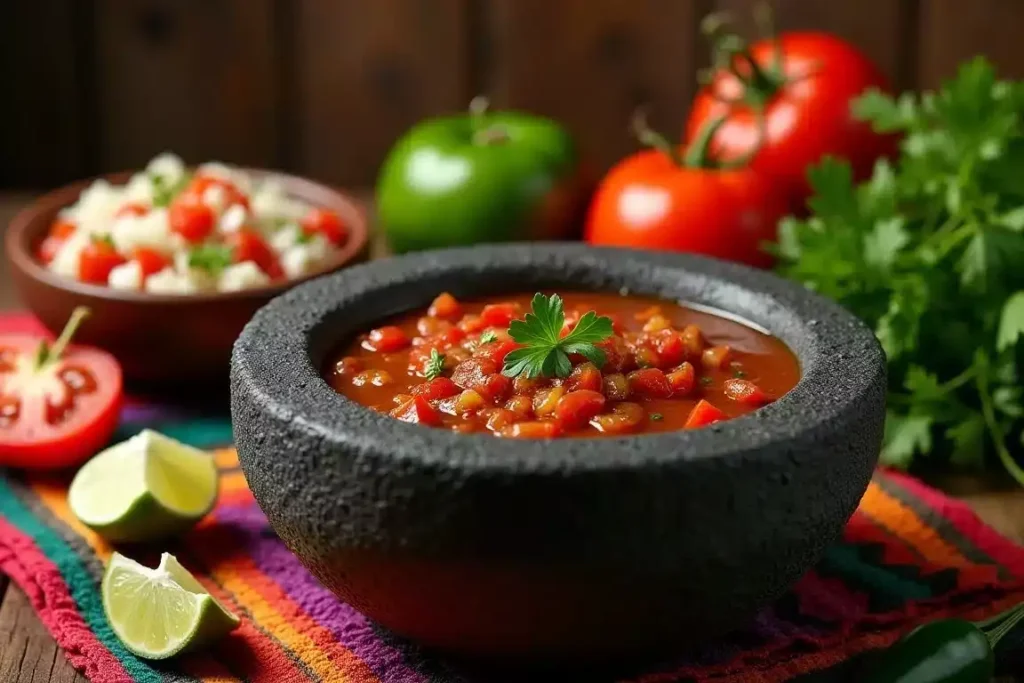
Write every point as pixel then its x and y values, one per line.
pixel 500 315
pixel 437 388
pixel 704 414
pixel 745 391
pixel 682 379
pixel 54 240
pixel 652 201
pixel 97 259
pixel 326 223
pixel 190 218
pixel 200 183
pixel 248 245
pixel 585 376
pixel 496 351
pixel 132 209
pixel 445 306
pixel 387 339
pixel 150 260
pixel 806 112
pixel 417 411
pixel 59 413
pixel 576 408
pixel 649 382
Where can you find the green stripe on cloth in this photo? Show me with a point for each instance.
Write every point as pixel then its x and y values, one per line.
pixel 78 579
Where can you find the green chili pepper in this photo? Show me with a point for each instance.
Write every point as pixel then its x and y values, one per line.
pixel 945 651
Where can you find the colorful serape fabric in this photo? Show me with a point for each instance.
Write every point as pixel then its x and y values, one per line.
pixel 909 554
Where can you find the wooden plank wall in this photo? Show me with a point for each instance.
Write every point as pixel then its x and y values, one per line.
pixel 323 87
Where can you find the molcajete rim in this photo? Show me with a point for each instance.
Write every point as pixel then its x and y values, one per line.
pixel 842 364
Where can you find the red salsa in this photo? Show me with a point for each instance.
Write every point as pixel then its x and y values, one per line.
pixel 652 366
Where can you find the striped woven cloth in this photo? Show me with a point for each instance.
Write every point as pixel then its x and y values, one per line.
pixel 909 554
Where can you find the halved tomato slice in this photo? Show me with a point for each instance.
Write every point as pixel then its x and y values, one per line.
pixel 59 404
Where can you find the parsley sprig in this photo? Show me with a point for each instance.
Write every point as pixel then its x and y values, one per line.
pixel 213 258
pixel 545 352
pixel 930 252
pixel 435 365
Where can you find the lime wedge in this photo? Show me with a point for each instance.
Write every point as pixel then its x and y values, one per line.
pixel 158 613
pixel 147 487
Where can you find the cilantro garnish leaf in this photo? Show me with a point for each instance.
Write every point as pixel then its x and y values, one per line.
pixel 212 258
pixel 165 191
pixel 930 253
pixel 487 337
pixel 545 353
pixel 435 365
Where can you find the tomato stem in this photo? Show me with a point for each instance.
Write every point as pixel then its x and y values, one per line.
pixel 483 134
pixel 649 137
pixel 731 53
pixel 49 354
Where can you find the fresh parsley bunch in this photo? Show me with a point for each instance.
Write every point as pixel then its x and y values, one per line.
pixel 930 252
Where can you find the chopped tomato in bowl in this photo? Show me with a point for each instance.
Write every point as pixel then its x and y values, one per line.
pixel 59 404
pixel 543 367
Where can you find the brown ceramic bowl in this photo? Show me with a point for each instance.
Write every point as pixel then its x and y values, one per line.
pixel 160 339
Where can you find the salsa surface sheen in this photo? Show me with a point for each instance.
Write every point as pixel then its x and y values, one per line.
pixel 668 367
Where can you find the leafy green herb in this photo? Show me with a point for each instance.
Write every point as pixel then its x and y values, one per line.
pixel 930 253
pixel 212 258
pixel 545 353
pixel 706 381
pixel 657 417
pixel 435 365
pixel 164 191
pixel 488 336
pixel 303 237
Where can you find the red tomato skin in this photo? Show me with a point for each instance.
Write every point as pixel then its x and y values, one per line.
pixel 649 382
pixel 496 351
pixel 446 307
pixel 575 409
pixel 190 218
pixel 387 339
pixel 96 261
pixel 499 315
pixel 704 414
pixel 201 183
pixel 648 201
pixel 151 261
pixel 808 119
pixel 417 410
pixel 437 388
pixel 745 392
pixel 247 245
pixel 326 223
pixel 72 442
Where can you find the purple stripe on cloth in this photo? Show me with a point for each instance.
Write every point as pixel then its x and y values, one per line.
pixel 350 627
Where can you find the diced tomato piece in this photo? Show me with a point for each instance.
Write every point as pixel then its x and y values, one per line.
pixel 200 183
pixel 49 247
pixel 646 357
pixel 545 400
pixel 498 418
pixel 682 379
pixel 693 340
pixel 387 339
pixel 132 209
pixel 472 324
pixel 616 387
pixel 715 357
pixel 649 382
pixel 453 336
pixel 703 414
pixel 500 315
pixel 436 389
pixel 496 387
pixel 191 219
pixel 528 386
pixel 150 260
pixel 468 401
pixel 624 418
pixel 97 259
pixel 618 357
pixel 671 349
pixel 327 223
pixel 348 365
pixel 746 392
pixel 417 411
pixel 62 228
pixel 474 372
pixel 496 351
pixel 531 430
pixel 431 327
pixel 249 245
pixel 584 376
pixel 445 306
pixel 521 405
pixel 576 408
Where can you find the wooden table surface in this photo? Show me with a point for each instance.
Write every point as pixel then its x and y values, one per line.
pixel 29 655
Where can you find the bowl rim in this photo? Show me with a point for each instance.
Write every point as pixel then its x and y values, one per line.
pixel 16 242
pixel 842 366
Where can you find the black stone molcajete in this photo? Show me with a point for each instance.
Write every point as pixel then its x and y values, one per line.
pixel 565 549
